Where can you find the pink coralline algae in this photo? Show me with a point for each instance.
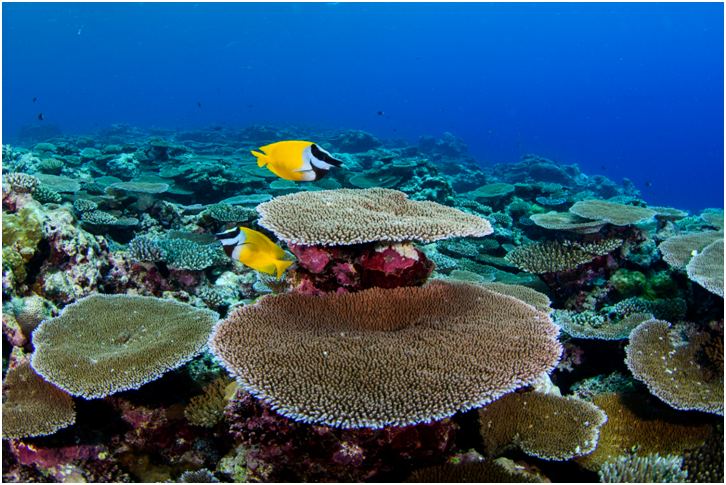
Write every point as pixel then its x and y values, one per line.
pixel 571 356
pixel 283 449
pixel 323 269
pixel 146 279
pixel 163 432
pixel 12 331
pixel 12 201
pixel 28 454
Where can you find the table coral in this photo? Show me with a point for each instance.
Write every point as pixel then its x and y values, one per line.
pixel 324 359
pixel 634 424
pixel 658 356
pixel 542 425
pixel 104 344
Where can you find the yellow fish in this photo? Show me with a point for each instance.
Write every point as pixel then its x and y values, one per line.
pixel 253 249
pixel 299 161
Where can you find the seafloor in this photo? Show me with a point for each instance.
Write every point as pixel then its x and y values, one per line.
pixel 528 323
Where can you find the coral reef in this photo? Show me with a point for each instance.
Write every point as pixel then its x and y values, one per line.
pixel 396 321
pixel 278 448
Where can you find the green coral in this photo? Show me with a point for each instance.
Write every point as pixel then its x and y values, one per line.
pixel 660 285
pixel 628 282
pixel 14 266
pixel 23 230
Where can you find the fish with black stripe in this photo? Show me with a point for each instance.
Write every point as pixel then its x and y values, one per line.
pixel 253 249
pixel 299 161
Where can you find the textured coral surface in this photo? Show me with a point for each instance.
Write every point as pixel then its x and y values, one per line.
pixel 415 336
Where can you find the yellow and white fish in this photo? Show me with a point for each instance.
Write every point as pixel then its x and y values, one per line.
pixel 253 249
pixel 299 161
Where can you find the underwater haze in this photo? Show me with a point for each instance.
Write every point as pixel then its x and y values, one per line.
pixel 622 90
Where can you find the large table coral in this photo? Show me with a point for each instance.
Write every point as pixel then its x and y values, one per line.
pixel 379 357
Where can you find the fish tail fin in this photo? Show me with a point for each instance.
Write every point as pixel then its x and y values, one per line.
pixel 261 158
pixel 282 266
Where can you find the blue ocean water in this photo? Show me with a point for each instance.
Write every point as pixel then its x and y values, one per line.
pixel 623 90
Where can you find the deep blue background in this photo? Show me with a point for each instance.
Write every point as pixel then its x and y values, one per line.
pixel 625 90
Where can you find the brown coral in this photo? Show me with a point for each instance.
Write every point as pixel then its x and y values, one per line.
pixel 208 409
pixel 103 344
pixel 348 216
pixel 552 256
pixel 614 213
pixel 34 407
pixel 668 367
pixel 493 190
pixel 542 425
pixel 632 425
pixel 532 297
pixel 706 268
pixel 644 469
pixel 385 356
pixel 487 471
pixel 566 221
pixel 678 250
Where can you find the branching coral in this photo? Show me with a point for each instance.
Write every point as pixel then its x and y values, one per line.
pixel 208 409
pixel 21 182
pixel 552 256
pixel 590 325
pixel 644 469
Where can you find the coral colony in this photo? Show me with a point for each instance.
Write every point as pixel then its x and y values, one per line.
pixel 176 310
